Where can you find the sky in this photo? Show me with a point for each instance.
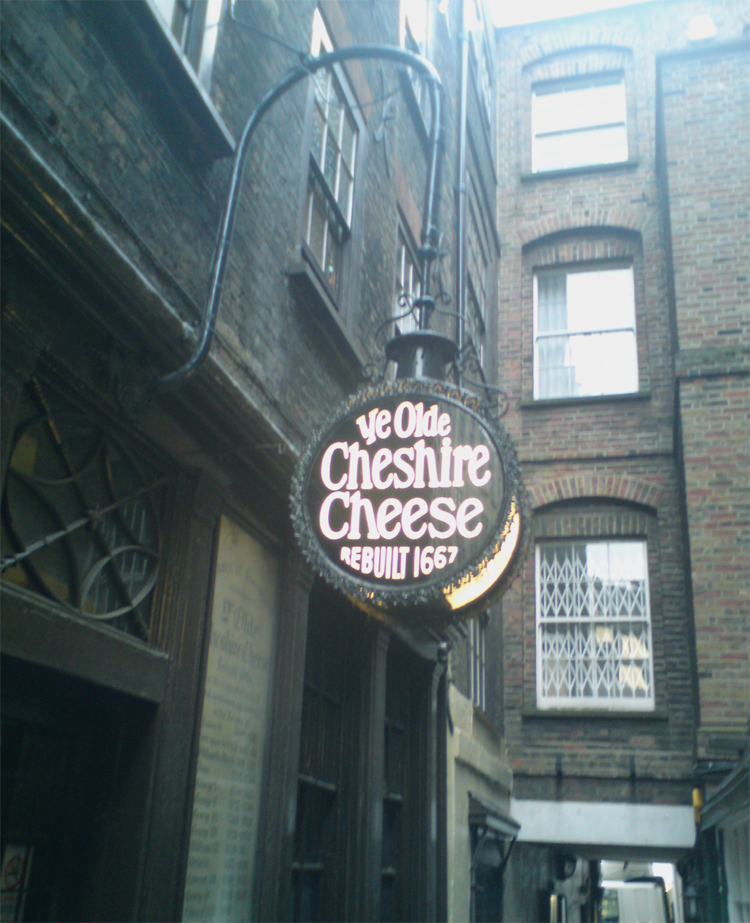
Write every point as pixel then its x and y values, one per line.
pixel 515 12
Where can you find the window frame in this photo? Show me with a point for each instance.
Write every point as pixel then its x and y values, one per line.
pixel 591 267
pixel 576 85
pixel 195 34
pixel 335 294
pixel 645 704
pixel 158 72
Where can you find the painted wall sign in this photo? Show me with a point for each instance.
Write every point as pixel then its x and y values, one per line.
pixel 410 501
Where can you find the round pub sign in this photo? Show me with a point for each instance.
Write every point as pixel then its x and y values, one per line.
pixel 410 501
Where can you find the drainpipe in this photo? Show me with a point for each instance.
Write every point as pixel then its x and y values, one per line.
pixel 461 190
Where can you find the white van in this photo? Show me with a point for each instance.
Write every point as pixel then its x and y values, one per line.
pixel 638 901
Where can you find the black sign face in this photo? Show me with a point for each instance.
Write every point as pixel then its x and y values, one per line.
pixel 410 501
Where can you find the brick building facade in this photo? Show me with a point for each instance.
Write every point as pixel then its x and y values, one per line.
pixel 193 726
pixel 196 727
pixel 623 182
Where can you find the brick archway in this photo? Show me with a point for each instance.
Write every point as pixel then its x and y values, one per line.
pixel 621 38
pixel 610 487
pixel 577 220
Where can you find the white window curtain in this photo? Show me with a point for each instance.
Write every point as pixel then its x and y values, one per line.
pixel 584 337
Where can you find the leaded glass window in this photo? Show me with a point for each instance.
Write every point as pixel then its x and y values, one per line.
pixel 593 625
pixel 80 515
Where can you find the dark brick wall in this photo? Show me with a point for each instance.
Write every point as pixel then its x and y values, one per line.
pixel 65 91
pixel 580 455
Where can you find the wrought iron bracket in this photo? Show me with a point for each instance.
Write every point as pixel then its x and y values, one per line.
pixel 309 66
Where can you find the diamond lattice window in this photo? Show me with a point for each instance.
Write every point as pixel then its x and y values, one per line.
pixel 593 625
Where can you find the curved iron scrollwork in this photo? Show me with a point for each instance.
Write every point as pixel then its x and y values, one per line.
pixel 495 401
pixel 80 516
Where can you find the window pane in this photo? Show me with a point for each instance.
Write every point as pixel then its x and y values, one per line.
pixel 585 334
pixel 601 300
pixel 585 107
pixel 348 137
pixel 553 312
pixel 331 158
pixel 317 225
pixel 322 80
pixel 407 282
pixel 344 196
pixel 580 148
pixel 332 259
pixel 603 363
pixel 577 126
pixel 318 131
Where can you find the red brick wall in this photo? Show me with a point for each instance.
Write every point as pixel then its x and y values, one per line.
pixel 580 453
pixel 706 129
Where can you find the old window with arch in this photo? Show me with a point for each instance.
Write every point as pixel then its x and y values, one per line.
pixel 580 110
pixel 585 296
pixel 593 592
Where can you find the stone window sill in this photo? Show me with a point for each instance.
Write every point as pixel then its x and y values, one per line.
pixel 594 168
pixel 316 296
pixel 597 714
pixel 555 402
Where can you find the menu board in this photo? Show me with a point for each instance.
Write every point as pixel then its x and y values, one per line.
pixel 234 730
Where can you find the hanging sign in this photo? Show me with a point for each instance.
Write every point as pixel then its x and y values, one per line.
pixel 410 501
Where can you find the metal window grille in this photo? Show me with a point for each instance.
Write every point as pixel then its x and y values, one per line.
pixel 584 333
pixel 579 124
pixel 593 625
